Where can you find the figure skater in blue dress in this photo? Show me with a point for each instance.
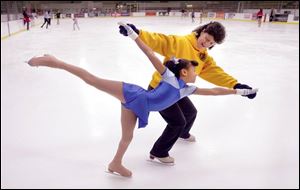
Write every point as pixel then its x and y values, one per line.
pixel 136 101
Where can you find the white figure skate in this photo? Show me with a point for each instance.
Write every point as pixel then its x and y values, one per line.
pixel 115 173
pixel 191 138
pixel 169 161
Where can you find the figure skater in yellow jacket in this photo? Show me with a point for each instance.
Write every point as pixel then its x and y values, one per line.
pixel 194 46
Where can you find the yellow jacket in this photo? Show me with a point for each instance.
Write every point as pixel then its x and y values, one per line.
pixel 186 47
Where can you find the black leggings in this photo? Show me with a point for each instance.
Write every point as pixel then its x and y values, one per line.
pixel 46 20
pixel 180 118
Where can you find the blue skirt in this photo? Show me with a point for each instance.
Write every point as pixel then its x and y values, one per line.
pixel 136 100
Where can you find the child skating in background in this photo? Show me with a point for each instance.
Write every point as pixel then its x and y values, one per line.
pixel 75 22
pixel 193 16
pixel 259 15
pixel 46 19
pixel 176 74
pixel 58 17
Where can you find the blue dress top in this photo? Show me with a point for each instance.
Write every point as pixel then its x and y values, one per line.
pixel 168 92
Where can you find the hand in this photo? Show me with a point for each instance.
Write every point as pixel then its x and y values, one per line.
pixel 245 92
pixel 46 60
pixel 124 31
pixel 244 86
pixel 129 31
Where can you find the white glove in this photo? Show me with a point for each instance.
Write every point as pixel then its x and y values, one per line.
pixel 130 31
pixel 244 92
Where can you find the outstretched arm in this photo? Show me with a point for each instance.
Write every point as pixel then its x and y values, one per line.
pixel 158 42
pixel 224 91
pixel 148 51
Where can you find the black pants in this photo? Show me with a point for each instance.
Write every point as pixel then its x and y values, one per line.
pixel 46 21
pixel 27 23
pixel 180 118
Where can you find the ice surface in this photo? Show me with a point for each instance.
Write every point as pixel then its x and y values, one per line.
pixel 58 132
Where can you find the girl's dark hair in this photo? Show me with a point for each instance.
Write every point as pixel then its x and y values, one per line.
pixel 181 64
pixel 216 29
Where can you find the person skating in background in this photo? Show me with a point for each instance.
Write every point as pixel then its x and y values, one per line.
pixel 57 17
pixel 75 22
pixel 272 15
pixel 259 17
pixel 26 19
pixel 193 16
pixel 46 19
pixel 49 17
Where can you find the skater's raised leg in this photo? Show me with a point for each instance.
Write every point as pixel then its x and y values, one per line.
pixel 114 88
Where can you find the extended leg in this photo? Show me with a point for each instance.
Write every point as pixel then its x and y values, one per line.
pixel 114 88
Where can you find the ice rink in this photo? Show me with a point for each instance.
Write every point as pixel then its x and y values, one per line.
pixel 58 132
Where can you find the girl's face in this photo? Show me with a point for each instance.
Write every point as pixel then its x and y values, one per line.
pixel 205 40
pixel 192 74
pixel 189 74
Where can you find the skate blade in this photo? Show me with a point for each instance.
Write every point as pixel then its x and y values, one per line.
pixel 156 161
pixel 113 173
pixel 116 173
pixel 185 140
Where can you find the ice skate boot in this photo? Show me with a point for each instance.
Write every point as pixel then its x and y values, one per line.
pixel 191 138
pixel 168 160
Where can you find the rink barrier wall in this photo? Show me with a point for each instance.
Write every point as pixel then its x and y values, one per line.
pixel 250 16
pixel 17 26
